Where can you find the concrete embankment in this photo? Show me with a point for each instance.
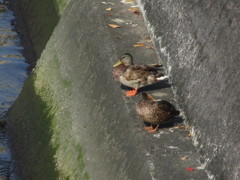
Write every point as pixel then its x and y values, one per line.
pixel 199 40
pixel 71 120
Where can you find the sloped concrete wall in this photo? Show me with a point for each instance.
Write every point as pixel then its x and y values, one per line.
pixel 199 41
pixel 70 112
pixel 73 118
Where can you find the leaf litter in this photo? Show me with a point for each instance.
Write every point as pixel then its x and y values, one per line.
pixel 114 26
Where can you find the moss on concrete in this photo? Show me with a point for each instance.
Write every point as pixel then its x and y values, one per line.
pixel 41 17
pixel 40 121
pixel 45 148
pixel 30 129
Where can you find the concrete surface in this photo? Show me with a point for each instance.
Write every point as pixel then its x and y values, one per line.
pixel 71 101
pixel 199 41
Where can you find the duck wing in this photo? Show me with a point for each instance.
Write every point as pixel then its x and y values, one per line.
pixel 168 107
pixel 135 72
pixel 145 67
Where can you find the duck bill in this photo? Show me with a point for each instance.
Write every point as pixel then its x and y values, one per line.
pixel 117 63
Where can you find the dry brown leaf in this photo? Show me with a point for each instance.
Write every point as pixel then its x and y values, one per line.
pixel 139 45
pixel 189 135
pixel 133 9
pixel 184 157
pixel 129 1
pixel 108 9
pixel 113 26
pixel 119 37
pixel 149 47
pixel 190 169
pixel 137 12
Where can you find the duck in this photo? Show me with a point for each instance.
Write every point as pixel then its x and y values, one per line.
pixel 135 76
pixel 155 112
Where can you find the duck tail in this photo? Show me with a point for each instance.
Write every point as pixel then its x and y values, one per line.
pixel 162 77
pixel 175 113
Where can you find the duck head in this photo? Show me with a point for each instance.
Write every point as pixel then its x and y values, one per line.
pixel 125 59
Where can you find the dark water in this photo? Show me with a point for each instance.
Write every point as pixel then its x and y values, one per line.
pixel 12 75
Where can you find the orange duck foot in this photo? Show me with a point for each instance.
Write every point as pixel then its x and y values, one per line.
pixel 153 130
pixel 131 93
pixel 148 128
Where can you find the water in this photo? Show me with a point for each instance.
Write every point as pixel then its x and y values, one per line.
pixel 13 72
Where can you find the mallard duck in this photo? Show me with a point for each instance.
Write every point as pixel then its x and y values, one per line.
pixel 155 112
pixel 135 76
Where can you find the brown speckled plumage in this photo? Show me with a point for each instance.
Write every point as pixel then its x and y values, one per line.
pixel 118 71
pixel 155 112
pixel 135 76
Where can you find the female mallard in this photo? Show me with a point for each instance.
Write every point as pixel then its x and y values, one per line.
pixel 135 76
pixel 155 112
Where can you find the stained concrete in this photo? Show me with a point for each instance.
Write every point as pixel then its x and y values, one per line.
pixel 199 40
pixel 80 118
pixel 91 129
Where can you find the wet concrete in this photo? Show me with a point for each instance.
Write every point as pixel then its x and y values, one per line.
pixel 12 76
pixel 199 41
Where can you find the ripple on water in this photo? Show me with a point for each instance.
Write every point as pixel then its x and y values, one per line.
pixel 12 75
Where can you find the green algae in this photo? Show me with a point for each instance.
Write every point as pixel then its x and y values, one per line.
pixel 31 133
pixel 40 18
pixel 40 120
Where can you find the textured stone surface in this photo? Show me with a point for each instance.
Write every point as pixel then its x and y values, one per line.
pixel 199 40
pixel 90 127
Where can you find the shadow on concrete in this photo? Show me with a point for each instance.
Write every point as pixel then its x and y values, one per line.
pixel 159 85
pixel 172 123
pixel 29 129
pixel 31 17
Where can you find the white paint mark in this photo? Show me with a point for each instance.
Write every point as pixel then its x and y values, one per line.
pixel 134 25
pixel 126 2
pixel 120 21
pixel 158 134
pixel 152 170
pixel 172 147
pixel 108 3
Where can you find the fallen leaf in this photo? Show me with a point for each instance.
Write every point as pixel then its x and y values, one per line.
pixel 137 12
pixel 149 47
pixel 149 40
pixel 118 37
pixel 189 135
pixel 113 26
pixel 139 45
pixel 129 1
pixel 108 9
pixel 133 9
pixel 184 157
pixel 190 169
pixel 109 14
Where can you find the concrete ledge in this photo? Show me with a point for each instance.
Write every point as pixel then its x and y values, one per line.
pixel 81 116
pixel 199 41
